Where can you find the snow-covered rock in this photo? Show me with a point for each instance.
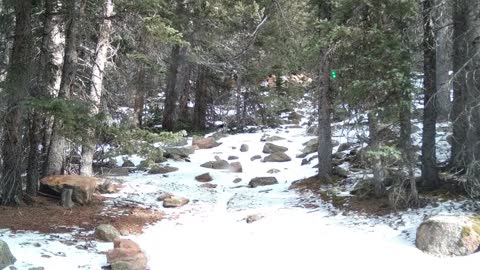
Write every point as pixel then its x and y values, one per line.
pixel 449 235
pixel 270 148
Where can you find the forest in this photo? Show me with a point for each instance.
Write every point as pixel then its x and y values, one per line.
pixel 204 123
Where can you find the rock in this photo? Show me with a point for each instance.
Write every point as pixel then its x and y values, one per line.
pixel 237 180
pixel 106 232
pixel 449 235
pixel 273 171
pixel 310 147
pixel 6 257
pixel 145 164
pixel 159 169
pixel 126 255
pixel 343 147
pixel 164 195
pixel 243 148
pixel 267 138
pixel 255 157
pixel 277 157
pixel 36 268
pixel 206 177
pixel 209 185
pixel 294 116
pixel 339 171
pixel 235 167
pixel 312 130
pixel 122 171
pixel 175 202
pixel 270 148
pixel 83 186
pixel 182 152
pixel 217 164
pixel 253 218
pixel 205 143
pixel 128 164
pixel 232 158
pixel 262 181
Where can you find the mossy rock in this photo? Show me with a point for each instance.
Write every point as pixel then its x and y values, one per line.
pixel 145 164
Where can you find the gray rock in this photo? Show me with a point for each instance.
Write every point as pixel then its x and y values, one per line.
pixel 6 257
pixel 182 152
pixel 255 157
pixel 206 177
pixel 237 180
pixel 232 158
pixel 267 138
pixel 123 171
pixel 262 181
pixel 270 148
pixel 106 232
pixel 277 157
pixel 235 167
pixel 253 218
pixel 344 146
pixel 244 148
pixel 217 165
pixel 159 169
pixel 449 235
pixel 164 195
pixel 273 171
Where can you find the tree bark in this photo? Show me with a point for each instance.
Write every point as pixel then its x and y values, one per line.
pixel 56 149
pixel 443 35
pixel 47 84
pixel 17 86
pixel 95 92
pixel 377 164
pixel 201 95
pixel 171 95
pixel 458 115
pixel 429 160
pixel 139 97
pixel 324 120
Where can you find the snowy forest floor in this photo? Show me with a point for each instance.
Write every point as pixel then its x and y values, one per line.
pixel 298 230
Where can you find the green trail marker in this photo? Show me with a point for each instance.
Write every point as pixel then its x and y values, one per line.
pixel 334 74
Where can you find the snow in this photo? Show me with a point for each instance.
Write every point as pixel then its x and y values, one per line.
pixel 211 232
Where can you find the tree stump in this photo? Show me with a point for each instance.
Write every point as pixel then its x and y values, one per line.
pixel 66 199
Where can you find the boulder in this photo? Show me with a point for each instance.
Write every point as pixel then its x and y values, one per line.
pixel 344 146
pixel 128 164
pixel 235 167
pixel 217 164
pixel 182 152
pixel 205 143
pixel 267 138
pixel 6 257
pixel 126 255
pixel 175 202
pixel 310 147
pixel 243 148
pixel 232 158
pixel 262 181
pixel 106 232
pixel 255 157
pixel 277 157
pixel 270 148
pixel 206 177
pixel 83 186
pixel 237 180
pixel 449 235
pixel 159 169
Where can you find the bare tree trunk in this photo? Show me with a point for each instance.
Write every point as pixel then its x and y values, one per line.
pixel 139 97
pixel 201 95
pixel 185 112
pixel 95 93
pixel 473 98
pixel 377 164
pixel 458 115
pixel 443 57
pixel 56 149
pixel 47 84
pixel 17 86
pixel 324 120
pixel 429 160
pixel 171 95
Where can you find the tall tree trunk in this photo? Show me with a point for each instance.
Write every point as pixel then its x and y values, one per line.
pixel 95 92
pixel 47 83
pixel 56 150
pixel 185 112
pixel 324 120
pixel 458 115
pixel 139 97
pixel 377 163
pixel 473 98
pixel 201 95
pixel 171 95
pixel 17 86
pixel 429 160
pixel 443 35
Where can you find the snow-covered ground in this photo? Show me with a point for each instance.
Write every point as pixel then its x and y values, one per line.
pixel 211 232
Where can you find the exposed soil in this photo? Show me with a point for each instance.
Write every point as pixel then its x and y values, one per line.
pixel 45 215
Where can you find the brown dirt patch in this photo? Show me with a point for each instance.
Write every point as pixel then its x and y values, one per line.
pixel 45 215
